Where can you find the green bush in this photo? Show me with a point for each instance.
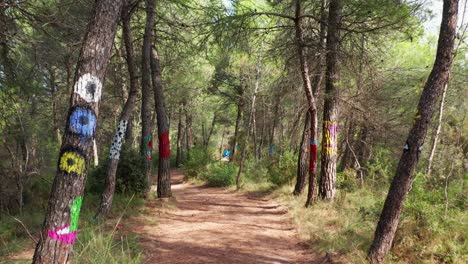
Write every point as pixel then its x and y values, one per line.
pixel 197 160
pixel 130 174
pixel 220 174
pixel 346 180
pixel 284 170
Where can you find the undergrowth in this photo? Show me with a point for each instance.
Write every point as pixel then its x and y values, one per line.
pixel 96 242
pixel 346 226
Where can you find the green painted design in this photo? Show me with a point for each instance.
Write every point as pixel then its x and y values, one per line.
pixel 75 213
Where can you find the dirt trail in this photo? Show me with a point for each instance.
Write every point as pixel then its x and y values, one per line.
pixel 213 225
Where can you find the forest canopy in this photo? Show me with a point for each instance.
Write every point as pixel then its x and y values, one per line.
pixel 349 113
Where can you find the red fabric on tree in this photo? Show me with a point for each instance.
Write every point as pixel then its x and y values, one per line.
pixel 313 158
pixel 164 145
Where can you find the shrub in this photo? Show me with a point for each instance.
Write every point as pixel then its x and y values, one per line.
pixel 346 180
pixel 130 174
pixel 220 174
pixel 284 170
pixel 197 160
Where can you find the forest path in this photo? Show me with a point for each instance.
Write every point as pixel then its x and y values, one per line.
pixel 215 225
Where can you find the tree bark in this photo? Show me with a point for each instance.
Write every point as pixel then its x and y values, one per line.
pixel 125 118
pixel 188 129
pixel 179 140
pixel 330 111
pixel 401 183
pixel 146 94
pixel 302 161
pixel 61 221
pixel 311 100
pixel 164 172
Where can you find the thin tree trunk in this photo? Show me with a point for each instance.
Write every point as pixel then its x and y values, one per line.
pixel 210 132
pixel 125 118
pixel 188 129
pixel 179 140
pixel 302 161
pixel 222 142
pixel 236 130
pixel 437 133
pixel 164 168
pixel 274 125
pixel 401 183
pixel 146 94
pixel 95 154
pixel 61 221
pixel 311 100
pixel 330 111
pixel 249 125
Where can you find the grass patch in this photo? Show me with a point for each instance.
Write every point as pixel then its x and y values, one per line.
pixel 346 227
pixel 96 242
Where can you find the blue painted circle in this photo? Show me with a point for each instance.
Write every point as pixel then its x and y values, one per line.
pixel 82 121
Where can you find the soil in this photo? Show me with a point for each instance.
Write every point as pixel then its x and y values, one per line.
pixel 216 225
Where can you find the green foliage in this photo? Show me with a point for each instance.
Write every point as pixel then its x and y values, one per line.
pixel 198 159
pixel 346 180
pixel 220 174
pixel 380 168
pixel 284 170
pixel 130 174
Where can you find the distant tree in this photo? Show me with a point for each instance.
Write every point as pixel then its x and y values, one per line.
pixel 125 116
pixel 401 184
pixel 60 226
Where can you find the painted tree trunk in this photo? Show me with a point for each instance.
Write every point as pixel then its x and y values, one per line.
pixel 164 168
pixel 311 100
pixel 403 179
pixel 330 111
pixel 302 161
pixel 60 226
pixel 125 118
pixel 146 94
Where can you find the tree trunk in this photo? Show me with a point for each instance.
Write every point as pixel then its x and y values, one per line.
pixel 330 111
pixel 311 95
pixel 125 118
pixel 179 140
pixel 95 154
pixel 188 130
pixel 164 168
pixel 437 133
pixel 210 132
pixel 401 183
pixel 271 142
pixel 236 129
pixel 146 94
pixel 302 161
pixel 61 221
pixel 249 125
